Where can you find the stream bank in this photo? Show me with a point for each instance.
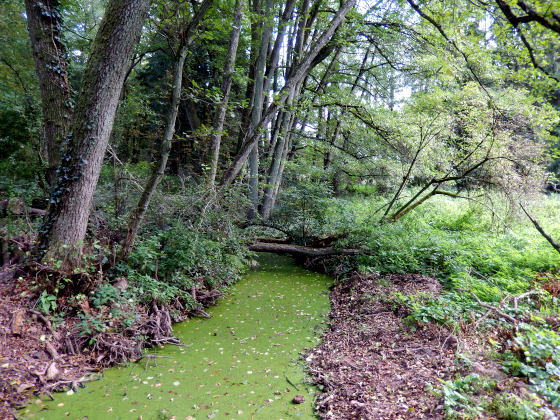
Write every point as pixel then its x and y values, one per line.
pixel 370 363
pixel 244 362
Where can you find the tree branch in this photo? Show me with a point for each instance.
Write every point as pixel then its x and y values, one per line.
pixel 541 230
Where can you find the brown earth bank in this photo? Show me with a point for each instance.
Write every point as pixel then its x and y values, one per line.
pixel 373 364
pixel 370 364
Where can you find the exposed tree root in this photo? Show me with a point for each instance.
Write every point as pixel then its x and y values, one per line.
pixel 42 359
pixel 158 327
pixel 114 349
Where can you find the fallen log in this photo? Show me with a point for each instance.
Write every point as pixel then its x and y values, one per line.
pixel 298 250
pixel 17 207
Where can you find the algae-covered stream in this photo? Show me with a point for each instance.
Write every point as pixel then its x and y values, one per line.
pixel 243 363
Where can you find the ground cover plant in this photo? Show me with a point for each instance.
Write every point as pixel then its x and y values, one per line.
pixel 499 278
pixel 174 272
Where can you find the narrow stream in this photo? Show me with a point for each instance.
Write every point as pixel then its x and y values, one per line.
pixel 243 363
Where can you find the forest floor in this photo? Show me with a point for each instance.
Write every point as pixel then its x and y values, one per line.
pixel 372 364
pixel 29 361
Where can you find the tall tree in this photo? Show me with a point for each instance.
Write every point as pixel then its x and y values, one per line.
pixel 295 78
pixel 275 168
pixel 44 26
pixel 256 111
pixel 64 228
pixel 171 119
pixel 220 114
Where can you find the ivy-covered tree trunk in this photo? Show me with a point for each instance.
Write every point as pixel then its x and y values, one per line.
pixel 64 228
pixel 44 26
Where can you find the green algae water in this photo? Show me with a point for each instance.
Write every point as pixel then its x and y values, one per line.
pixel 243 363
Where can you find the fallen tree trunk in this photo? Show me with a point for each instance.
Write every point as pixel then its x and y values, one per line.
pixel 298 250
pixel 17 207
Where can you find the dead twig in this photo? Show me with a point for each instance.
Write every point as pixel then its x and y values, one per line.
pixel 45 321
pixel 522 296
pixel 551 241
pixel 291 383
pixel 52 351
pixel 494 309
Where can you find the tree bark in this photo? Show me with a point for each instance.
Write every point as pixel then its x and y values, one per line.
pixel 220 115
pixel 278 182
pixel 275 54
pixel 274 174
pixel 277 157
pixel 44 26
pixel 253 55
pixel 299 250
pixel 545 235
pixel 63 232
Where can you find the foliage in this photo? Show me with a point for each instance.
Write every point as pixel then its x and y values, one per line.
pixel 399 116
pixel 539 348
pixel 47 302
pixel 471 250
pixel 189 240
pixel 466 246
pixel 473 396
pixel 456 398
pixel 184 259
pixel 104 294
pixel 301 210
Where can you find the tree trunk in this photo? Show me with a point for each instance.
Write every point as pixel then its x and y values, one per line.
pixel 220 115
pixel 301 251
pixel 171 119
pixel 274 175
pixel 63 232
pixel 44 26
pixel 255 6
pixel 159 168
pixel 300 72
pixel 275 54
pixel 256 112
pixel 273 172
pixel 287 147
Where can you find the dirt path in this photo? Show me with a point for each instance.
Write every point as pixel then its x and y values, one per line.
pixel 370 364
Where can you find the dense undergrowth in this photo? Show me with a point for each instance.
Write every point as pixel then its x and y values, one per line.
pixel 484 259
pixel 192 246
pixel 479 257
pixel 189 250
